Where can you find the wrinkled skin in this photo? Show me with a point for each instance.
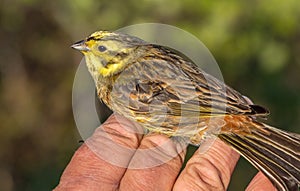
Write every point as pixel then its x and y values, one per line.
pixel 210 170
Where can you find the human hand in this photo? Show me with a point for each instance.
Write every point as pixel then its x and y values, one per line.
pixel 210 170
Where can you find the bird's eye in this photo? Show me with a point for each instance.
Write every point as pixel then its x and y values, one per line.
pixel 101 48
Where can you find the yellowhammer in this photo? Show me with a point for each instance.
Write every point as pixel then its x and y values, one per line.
pixel 158 87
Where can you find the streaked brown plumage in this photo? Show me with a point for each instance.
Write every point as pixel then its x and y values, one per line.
pixel 167 93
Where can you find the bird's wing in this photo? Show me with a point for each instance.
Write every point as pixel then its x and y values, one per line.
pixel 165 86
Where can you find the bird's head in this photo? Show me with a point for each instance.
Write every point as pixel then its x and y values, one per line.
pixel 107 53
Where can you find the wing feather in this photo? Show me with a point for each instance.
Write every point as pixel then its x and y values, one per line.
pixel 164 85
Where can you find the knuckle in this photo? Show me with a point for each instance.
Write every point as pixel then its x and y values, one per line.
pixel 205 175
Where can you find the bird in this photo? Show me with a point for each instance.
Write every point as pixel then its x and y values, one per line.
pixel 167 93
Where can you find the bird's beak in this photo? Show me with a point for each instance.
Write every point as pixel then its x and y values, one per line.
pixel 81 46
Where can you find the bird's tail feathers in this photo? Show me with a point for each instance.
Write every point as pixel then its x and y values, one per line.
pixel 275 152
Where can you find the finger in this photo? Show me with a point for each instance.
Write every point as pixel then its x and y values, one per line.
pixel 155 166
pixel 100 163
pixel 209 170
pixel 260 182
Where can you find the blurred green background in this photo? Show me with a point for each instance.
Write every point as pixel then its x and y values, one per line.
pixel 256 43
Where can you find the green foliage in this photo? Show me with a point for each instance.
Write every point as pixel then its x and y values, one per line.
pixel 256 44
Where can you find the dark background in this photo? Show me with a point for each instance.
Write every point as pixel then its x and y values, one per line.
pixel 256 43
